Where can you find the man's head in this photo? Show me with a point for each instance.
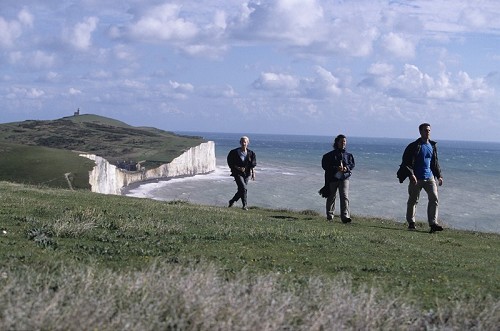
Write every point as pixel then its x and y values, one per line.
pixel 340 142
pixel 425 131
pixel 244 141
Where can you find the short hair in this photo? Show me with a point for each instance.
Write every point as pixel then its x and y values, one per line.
pixel 337 139
pixel 423 125
pixel 244 137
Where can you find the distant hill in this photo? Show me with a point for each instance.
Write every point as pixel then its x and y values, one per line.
pixel 41 152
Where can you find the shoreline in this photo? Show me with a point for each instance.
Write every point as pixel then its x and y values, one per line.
pixel 126 189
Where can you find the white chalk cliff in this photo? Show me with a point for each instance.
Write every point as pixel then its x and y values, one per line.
pixel 109 179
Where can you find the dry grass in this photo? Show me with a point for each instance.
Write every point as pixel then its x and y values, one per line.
pixel 171 297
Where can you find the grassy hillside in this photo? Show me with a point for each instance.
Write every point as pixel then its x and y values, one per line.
pixel 156 265
pixel 109 138
pixel 43 166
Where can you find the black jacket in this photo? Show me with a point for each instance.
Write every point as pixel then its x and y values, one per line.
pixel 409 157
pixel 234 161
pixel 331 161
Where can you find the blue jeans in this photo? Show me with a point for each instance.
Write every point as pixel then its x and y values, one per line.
pixel 241 182
pixel 429 185
pixel 343 188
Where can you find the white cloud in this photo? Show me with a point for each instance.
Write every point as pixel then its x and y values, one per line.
pixel 9 32
pixel 175 90
pixel 276 81
pixel 327 83
pixel 220 20
pixel 299 22
pixel 80 36
pixel 311 27
pixel 411 84
pixel 133 84
pixel 398 45
pixel 35 60
pixel 74 91
pixel 379 75
pixel 461 88
pixel 101 74
pixel 40 59
pixel 474 18
pixel 26 18
pixel 380 69
pixel 322 85
pixel 25 92
pixel 122 52
pixel 414 85
pixel 217 92
pixel 162 23
pixel 50 76
pixel 461 16
pixel 181 87
pixel 205 50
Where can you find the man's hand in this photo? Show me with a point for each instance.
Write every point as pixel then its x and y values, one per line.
pixel 253 175
pixel 440 181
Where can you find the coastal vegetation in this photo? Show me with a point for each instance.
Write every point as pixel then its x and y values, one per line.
pixel 72 260
pixel 46 152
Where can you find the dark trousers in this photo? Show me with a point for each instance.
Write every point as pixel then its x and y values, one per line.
pixel 241 182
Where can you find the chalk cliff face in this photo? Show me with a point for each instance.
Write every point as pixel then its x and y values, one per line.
pixel 108 179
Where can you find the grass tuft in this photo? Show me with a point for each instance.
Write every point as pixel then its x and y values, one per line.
pixel 42 237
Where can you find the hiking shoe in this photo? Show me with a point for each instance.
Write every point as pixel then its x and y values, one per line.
pixel 231 203
pixel 411 226
pixel 435 228
pixel 244 208
pixel 347 220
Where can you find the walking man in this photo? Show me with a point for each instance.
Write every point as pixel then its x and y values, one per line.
pixel 242 162
pixel 420 164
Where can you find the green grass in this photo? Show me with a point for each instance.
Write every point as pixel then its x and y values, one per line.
pixel 453 276
pixel 111 139
pixel 43 166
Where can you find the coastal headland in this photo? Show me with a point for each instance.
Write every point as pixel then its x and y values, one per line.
pixel 97 153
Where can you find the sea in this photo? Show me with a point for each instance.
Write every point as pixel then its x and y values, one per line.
pixel 289 175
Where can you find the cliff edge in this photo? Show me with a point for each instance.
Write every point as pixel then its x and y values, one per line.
pixel 108 179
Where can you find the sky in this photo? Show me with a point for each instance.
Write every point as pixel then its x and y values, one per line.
pixel 364 68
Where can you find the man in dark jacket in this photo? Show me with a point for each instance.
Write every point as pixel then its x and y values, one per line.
pixel 242 162
pixel 420 164
pixel 337 165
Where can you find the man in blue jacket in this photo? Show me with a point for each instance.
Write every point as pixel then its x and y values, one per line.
pixel 420 164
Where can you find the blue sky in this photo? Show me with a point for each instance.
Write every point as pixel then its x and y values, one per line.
pixel 364 68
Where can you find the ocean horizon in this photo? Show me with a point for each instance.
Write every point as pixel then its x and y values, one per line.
pixel 289 175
